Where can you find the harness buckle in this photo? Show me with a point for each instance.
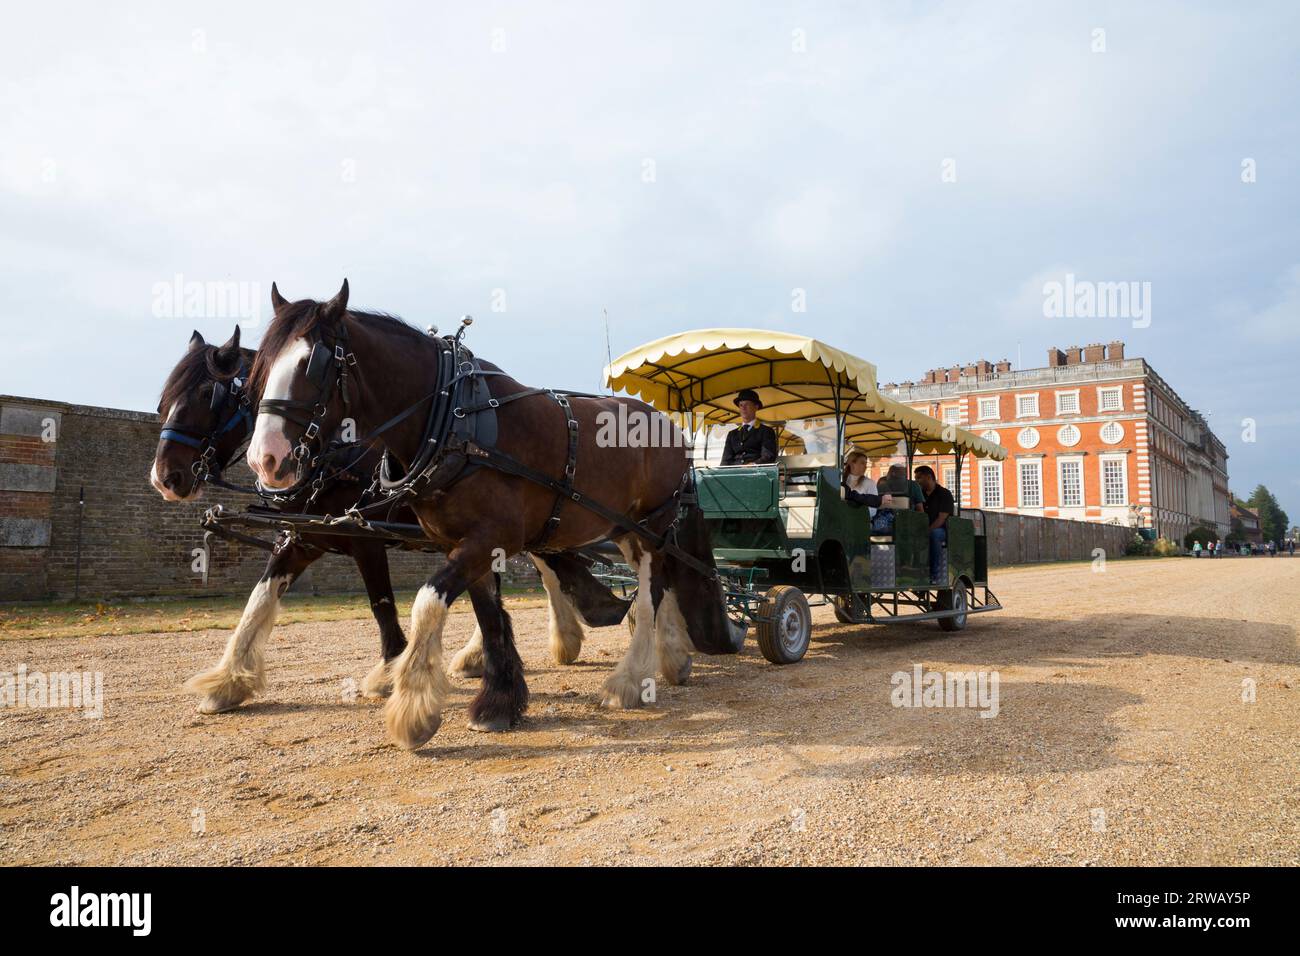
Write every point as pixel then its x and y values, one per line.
pixel 352 358
pixel 339 354
pixel 312 431
pixel 458 412
pixel 493 403
pixel 465 368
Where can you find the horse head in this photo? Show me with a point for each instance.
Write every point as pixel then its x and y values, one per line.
pixel 204 416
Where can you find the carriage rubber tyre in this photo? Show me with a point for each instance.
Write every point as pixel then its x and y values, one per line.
pixel 785 627
pixel 950 599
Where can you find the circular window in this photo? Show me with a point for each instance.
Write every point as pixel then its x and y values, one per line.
pixel 992 436
pixel 1112 433
pixel 1028 437
pixel 1068 436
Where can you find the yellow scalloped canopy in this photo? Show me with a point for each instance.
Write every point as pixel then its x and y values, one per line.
pixel 796 377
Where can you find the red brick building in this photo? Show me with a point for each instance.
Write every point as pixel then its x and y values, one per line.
pixel 1093 436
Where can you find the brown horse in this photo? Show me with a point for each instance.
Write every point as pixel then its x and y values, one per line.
pixel 543 483
pixel 205 414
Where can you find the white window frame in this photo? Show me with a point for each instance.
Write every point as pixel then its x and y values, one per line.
pixel 997 408
pixel 1075 410
pixel 949 473
pixel 952 414
pixel 1102 391
pixel 1034 413
pixel 1022 466
pixel 1116 424
pixel 1101 476
pixel 1061 462
pixel 991 467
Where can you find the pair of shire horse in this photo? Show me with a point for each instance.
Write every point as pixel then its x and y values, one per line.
pixel 382 371
pixel 207 421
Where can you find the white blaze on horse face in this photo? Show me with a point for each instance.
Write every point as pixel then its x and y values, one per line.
pixel 270 446
pixel 156 479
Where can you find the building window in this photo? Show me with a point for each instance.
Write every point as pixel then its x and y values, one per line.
pixel 1111 399
pixel 989 408
pixel 990 484
pixel 1112 433
pixel 1027 406
pixel 992 436
pixel 952 414
pixel 1031 484
pixel 1114 482
pixel 1071 483
pixel 1028 437
pixel 1067 403
pixel 949 476
pixel 1068 435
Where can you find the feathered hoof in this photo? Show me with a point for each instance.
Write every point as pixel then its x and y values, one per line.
pixel 680 675
pixel 222 691
pixel 621 694
pixel 412 718
pixel 379 682
pixel 468 663
pixel 491 725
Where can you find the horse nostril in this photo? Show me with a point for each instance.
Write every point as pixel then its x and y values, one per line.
pixel 173 481
pixel 268 465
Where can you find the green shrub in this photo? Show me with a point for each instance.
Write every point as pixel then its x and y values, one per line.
pixel 1164 548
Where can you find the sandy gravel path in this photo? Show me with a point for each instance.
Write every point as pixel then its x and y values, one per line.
pixel 1122 737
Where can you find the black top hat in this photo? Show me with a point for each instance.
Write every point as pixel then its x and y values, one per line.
pixel 747 395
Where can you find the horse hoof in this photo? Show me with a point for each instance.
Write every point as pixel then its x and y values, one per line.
pixel 378 683
pixel 622 698
pixel 218 705
pixel 491 725
pixel 467 665
pixel 682 676
pixel 415 737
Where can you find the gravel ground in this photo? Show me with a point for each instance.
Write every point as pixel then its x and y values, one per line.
pixel 1122 737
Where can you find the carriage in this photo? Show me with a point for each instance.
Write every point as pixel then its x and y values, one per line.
pixel 783 532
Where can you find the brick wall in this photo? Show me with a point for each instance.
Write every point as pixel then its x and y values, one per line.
pixel 133 544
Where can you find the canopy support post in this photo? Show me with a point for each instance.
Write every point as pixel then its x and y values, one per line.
pixel 959 454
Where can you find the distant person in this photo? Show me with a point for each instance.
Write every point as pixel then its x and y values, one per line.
pixel 1196 548
pixel 1290 547
pixel 751 442
pixel 939 507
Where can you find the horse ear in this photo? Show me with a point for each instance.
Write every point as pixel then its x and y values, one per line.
pixel 277 301
pixel 196 341
pixel 332 311
pixel 227 356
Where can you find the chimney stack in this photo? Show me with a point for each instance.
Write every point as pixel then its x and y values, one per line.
pixel 1115 351
pixel 1005 364
pixel 954 373
pixel 985 368
pixel 1073 355
pixel 1055 357
pixel 1096 352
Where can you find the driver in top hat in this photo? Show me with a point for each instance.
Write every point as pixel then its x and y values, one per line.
pixel 751 442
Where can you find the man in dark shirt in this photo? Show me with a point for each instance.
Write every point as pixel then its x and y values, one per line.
pixel 938 506
pixel 752 443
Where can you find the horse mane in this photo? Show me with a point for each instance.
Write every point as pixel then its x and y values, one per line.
pixel 195 369
pixel 299 319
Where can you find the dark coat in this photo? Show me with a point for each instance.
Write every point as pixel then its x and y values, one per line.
pixel 755 445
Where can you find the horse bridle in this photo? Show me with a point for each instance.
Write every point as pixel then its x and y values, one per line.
pixel 232 397
pixel 324 358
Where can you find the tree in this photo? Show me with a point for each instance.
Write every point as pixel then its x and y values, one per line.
pixel 1273 521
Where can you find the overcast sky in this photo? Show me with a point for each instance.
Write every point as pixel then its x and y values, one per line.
pixel 681 165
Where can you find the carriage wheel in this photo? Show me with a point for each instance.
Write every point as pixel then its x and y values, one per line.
pixel 785 625
pixel 953 599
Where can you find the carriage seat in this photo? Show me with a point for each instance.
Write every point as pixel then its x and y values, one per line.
pixel 799 514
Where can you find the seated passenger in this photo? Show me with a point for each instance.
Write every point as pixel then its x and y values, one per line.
pixel 752 442
pixel 938 507
pixel 858 488
pixel 903 495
